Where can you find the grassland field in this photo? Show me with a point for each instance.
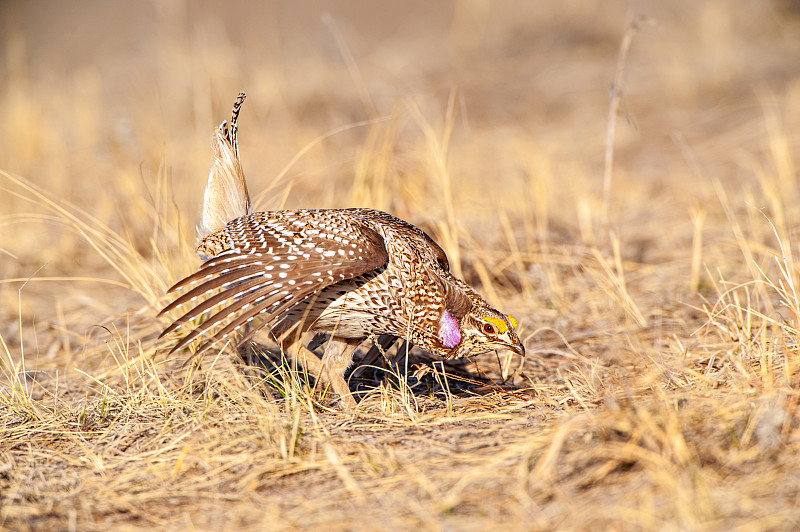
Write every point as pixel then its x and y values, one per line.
pixel 656 293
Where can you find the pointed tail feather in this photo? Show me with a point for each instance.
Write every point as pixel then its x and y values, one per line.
pixel 226 197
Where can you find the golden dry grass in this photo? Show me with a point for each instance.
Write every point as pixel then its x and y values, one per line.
pixel 660 391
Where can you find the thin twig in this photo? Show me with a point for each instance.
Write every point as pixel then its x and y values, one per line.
pixel 615 95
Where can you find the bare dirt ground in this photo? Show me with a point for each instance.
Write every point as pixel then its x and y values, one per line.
pixel 660 387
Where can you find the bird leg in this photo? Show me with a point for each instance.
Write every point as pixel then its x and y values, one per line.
pixel 290 338
pixel 337 358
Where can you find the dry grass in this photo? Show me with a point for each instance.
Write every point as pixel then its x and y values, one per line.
pixel 660 391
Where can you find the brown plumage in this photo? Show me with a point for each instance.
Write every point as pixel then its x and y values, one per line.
pixel 350 273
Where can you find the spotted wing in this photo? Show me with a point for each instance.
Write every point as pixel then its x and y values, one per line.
pixel 272 262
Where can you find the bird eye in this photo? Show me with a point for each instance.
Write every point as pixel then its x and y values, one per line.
pixel 488 328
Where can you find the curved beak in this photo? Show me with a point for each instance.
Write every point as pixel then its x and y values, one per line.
pixel 513 343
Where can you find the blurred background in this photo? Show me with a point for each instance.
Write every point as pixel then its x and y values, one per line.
pixel 483 122
pixel 661 379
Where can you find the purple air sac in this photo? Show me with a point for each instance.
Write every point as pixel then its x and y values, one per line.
pixel 449 332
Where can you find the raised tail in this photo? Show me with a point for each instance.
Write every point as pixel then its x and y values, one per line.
pixel 226 197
